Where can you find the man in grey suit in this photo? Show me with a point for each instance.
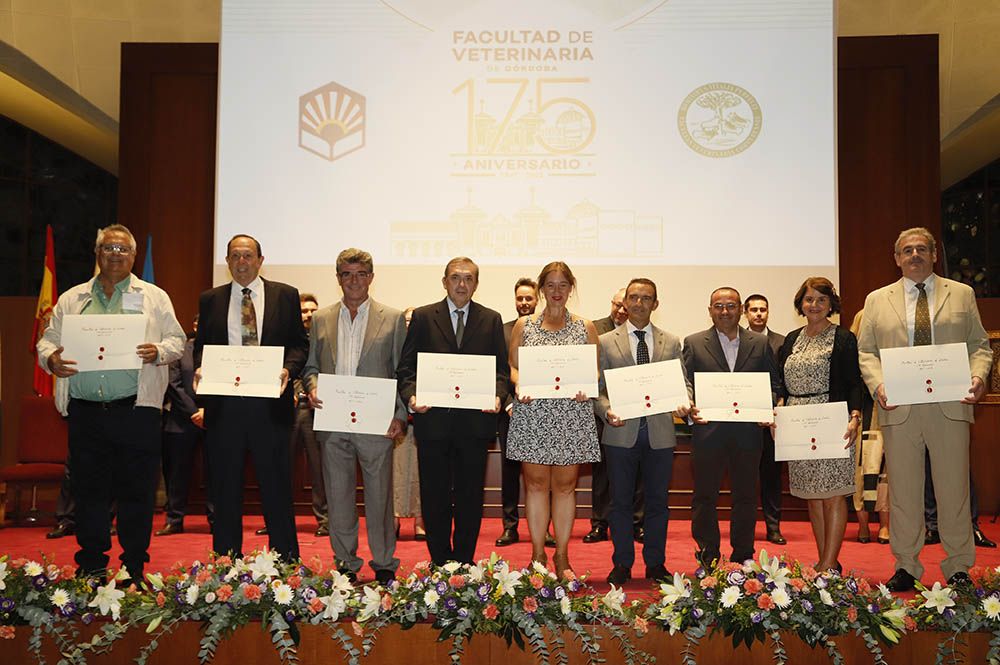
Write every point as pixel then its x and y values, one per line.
pixel 755 308
pixel 358 337
pixel 638 446
pixel 725 347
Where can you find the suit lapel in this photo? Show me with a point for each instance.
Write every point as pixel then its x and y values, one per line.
pixel 442 318
pixel 659 345
pixel 375 320
pixel 622 343
pixel 715 349
pixel 897 299
pixel 334 327
pixel 270 318
pixel 221 318
pixel 943 293
pixel 744 350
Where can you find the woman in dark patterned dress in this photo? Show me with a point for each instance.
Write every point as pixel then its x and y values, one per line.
pixel 819 364
pixel 552 437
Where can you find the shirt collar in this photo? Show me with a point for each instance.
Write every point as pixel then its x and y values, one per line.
pixel 724 338
pixel 256 286
pixel 452 307
pixel 121 286
pixel 909 285
pixel 362 308
pixel 631 328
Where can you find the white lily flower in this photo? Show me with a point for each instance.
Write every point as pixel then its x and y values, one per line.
pixel 539 568
pixel 108 599
pixel 730 596
pixel 674 625
pixel 476 573
pixel 59 598
pixel 507 580
pixel 771 566
pixel 781 597
pixel 452 566
pixel 991 605
pixel 230 574
pixel 191 596
pixel 283 594
pixel 3 575
pixel 334 604
pixel 884 591
pixel 33 569
pixel 156 580
pixel 122 574
pixel 938 598
pixel 680 588
pixel 263 565
pixel 613 599
pixel 371 604
pixel 895 616
pixel 825 596
pixel 341 583
pixel 431 598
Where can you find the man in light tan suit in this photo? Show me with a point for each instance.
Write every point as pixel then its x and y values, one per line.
pixel 923 308
pixel 358 337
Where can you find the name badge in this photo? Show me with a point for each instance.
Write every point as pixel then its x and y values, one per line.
pixel 132 302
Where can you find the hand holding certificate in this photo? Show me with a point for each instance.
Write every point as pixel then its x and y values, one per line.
pixel 356 404
pixel 104 342
pixel 557 371
pixel 241 371
pixel 811 431
pixel 926 374
pixel 646 390
pixel 734 396
pixel 457 381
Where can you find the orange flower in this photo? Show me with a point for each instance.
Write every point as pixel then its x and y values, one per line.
pixel 798 583
pixel 864 586
pixel 386 602
pixel 491 612
pixel 295 581
pixel 808 573
pixel 909 623
pixel 315 562
pixel 640 625
pixel 6 632
pixel 976 575
pixel 537 581
pixel 530 604
pixel 708 582
pixel 203 576
pixel 224 561
pixel 18 563
pixel 251 591
pixel 764 602
pixel 358 629
pixel 316 605
pixel 569 575
pixel 160 599
pixel 852 613
pixel 67 573
pixel 224 593
pixel 456 581
pixel 752 585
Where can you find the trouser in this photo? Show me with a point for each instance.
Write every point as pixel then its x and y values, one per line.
pixel 510 476
pixel 179 450
pixel 770 483
pixel 304 436
pixel 930 503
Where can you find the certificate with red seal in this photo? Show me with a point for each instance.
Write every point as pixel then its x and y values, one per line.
pixel 241 371
pixel 739 397
pixel 457 381
pixel 646 390
pixel 811 431
pixel 355 404
pixel 103 341
pixel 926 374
pixel 557 371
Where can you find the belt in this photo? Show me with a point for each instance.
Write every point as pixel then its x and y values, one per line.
pixel 825 392
pixel 123 403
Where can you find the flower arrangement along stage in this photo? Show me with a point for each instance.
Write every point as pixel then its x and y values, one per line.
pixel 762 600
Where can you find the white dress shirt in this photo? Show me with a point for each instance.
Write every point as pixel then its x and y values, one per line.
pixel 910 294
pixel 454 317
pixel 730 347
pixel 350 338
pixel 235 320
pixel 633 340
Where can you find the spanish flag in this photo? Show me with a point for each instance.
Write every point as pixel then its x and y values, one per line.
pixel 43 312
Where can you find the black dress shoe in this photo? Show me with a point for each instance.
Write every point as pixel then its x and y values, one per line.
pixel 658 573
pixel 931 537
pixel 508 537
pixel 619 575
pixel 981 539
pixel 638 534
pixel 960 579
pixel 776 538
pixel 170 529
pixel 419 535
pixel 596 535
pixel 322 530
pixel 550 540
pixel 64 529
pixel 384 576
pixel 261 531
pixel 901 581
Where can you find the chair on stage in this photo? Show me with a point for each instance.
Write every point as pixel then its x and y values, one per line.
pixel 42 450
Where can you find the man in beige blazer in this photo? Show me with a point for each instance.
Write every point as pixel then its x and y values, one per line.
pixel 358 337
pixel 638 447
pixel 924 308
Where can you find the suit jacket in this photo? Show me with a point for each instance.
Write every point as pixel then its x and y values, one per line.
pixel 845 377
pixel 180 394
pixel 616 352
pixel 703 353
pixel 380 350
pixel 955 319
pixel 431 332
pixel 607 324
pixel 774 340
pixel 281 326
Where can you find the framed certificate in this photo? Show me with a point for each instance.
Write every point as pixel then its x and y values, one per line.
pixel 811 431
pixel 457 381
pixel 557 371
pixel 103 341
pixel 357 404
pixel 241 371
pixel 926 374
pixel 734 396
pixel 646 390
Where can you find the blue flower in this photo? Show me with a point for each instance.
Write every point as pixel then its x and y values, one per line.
pixel 820 582
pixel 757 617
pixel 709 594
pixel 309 593
pixel 560 593
pixel 39 581
pixel 290 616
pixel 949 613
pixel 462 612
pixel 980 592
pixel 6 604
pixel 545 592
pixel 87 618
pixel 441 588
pixel 68 610
pixel 852 585
pixel 700 572
pixel 736 578
pixel 450 603
pixel 574 585
pixel 806 605
pixel 762 577
pixel 873 608
pixel 483 591
pixel 246 577
pixel 697 613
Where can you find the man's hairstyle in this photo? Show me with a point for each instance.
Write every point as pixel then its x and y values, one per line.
pixel 755 296
pixel 244 235
pixel 557 266
pixel 114 228
pixel 916 231
pixel 308 297
pixel 824 286
pixel 723 288
pixel 462 259
pixel 526 281
pixel 354 255
pixel 642 280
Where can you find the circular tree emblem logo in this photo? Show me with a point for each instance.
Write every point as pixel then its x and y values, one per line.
pixel 719 120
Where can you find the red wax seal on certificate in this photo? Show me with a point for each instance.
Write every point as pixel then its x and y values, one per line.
pixel 237 379
pixel 812 440
pixel 354 420
pixel 648 405
pixel 929 382
pixel 930 390
pixel 557 379
pixel 736 411
pixel 557 387
pixel 102 351
pixel 736 403
pixel 457 395
pixel 814 446
pixel 647 398
pixel 353 413
pixel 100 357
pixel 457 388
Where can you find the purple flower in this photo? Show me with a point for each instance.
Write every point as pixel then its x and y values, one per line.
pixel 820 582
pixel 309 593
pixel 736 578
pixel 483 591
pixel 290 616
pixel 87 618
pixel 545 592
pixel 873 608
pixel 757 617
pixel 450 603
pixel 762 577
pixel 697 613
pixel 852 585
pixel 6 604
pixel 462 612
pixel 980 592
pixel 246 578
pixel 68 609
pixel 560 593
pixel 574 585
pixel 39 581
pixel 949 613
pixel 709 594
pixel 700 572
pixel 441 588
pixel 806 605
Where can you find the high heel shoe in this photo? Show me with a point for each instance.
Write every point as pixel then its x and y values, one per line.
pixel 560 561
pixel 883 540
pixel 866 538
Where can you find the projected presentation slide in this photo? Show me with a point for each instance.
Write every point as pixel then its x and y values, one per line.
pixel 627 133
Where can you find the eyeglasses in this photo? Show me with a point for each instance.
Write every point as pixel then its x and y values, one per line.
pixel 728 307
pixel 915 249
pixel 360 274
pixel 115 249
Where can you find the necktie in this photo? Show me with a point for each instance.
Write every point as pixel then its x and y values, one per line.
pixel 641 350
pixel 248 320
pixel 922 319
pixel 460 328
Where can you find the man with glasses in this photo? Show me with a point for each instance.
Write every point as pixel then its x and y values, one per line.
pixel 251 311
pixel 923 309
pixel 716 446
pixel 114 415
pixel 358 337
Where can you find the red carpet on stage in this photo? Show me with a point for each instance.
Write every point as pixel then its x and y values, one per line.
pixel 872 560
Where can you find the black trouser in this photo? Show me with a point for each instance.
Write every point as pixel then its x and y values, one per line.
pixel 736 447
pixel 114 451
pixel 510 476
pixel 451 488
pixel 770 483
pixel 303 435
pixel 600 496
pixel 625 468
pixel 244 426
pixel 179 449
pixel 65 508
pixel 930 501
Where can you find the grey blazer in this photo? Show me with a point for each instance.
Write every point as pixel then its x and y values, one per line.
pixel 380 350
pixel 616 352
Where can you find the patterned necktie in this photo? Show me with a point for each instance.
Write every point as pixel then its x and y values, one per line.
pixel 922 319
pixel 248 320
pixel 641 350
pixel 460 328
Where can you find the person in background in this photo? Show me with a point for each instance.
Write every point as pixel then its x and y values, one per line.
pixel 406 474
